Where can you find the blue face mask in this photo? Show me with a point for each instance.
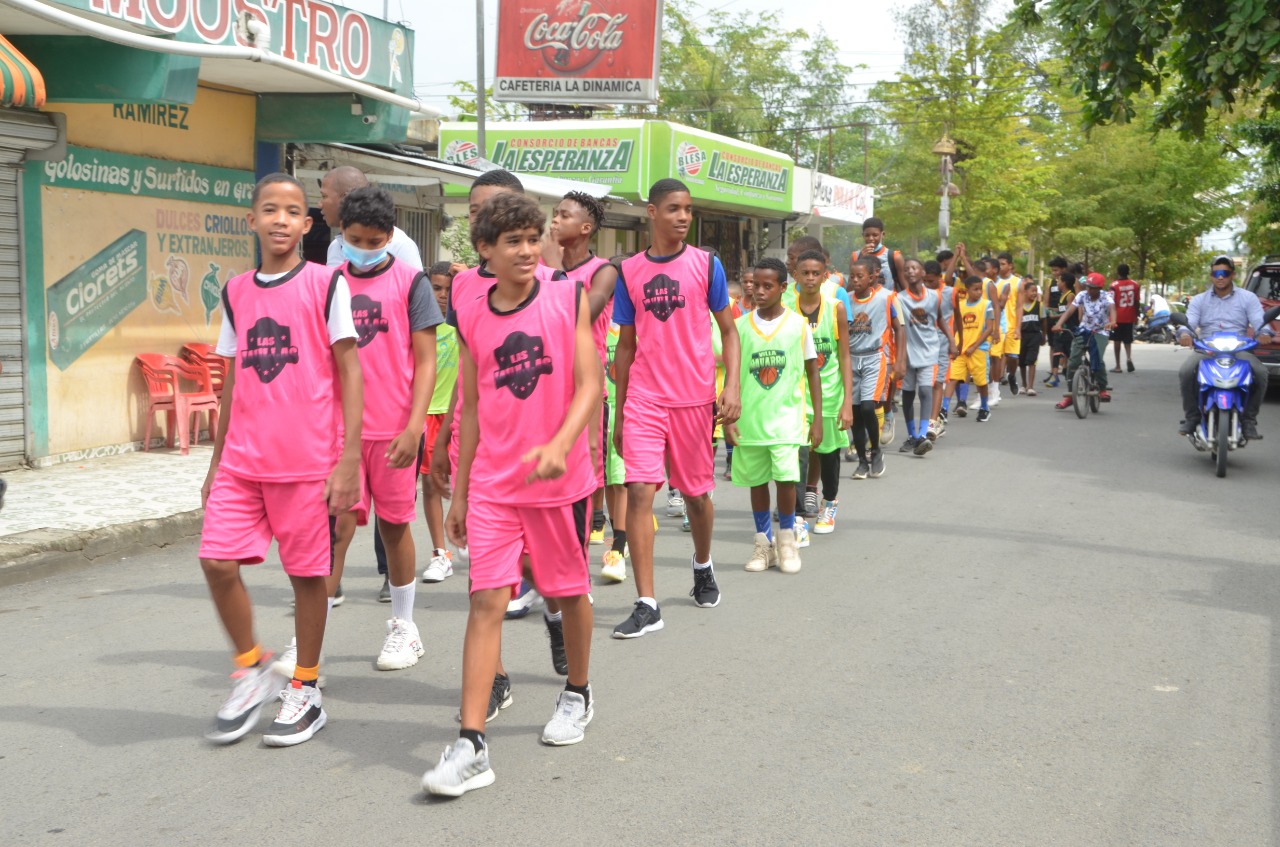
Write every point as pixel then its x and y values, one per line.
pixel 363 259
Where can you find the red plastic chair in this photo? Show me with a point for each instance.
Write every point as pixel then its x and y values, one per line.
pixel 206 355
pixel 164 389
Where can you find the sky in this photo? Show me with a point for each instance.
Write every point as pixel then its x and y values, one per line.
pixel 445 36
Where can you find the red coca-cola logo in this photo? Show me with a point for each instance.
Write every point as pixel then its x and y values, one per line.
pixel 575 37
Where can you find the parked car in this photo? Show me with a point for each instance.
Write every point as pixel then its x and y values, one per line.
pixel 1264 280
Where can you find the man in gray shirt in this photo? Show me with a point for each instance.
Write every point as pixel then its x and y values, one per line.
pixel 337 184
pixel 1223 308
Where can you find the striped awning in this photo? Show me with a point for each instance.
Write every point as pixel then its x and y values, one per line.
pixel 20 81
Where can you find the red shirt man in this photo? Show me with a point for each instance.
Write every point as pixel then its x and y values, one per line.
pixel 1126 293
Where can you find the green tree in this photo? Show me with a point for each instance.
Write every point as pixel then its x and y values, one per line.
pixel 1262 213
pixel 1199 57
pixel 456 238
pixel 464 104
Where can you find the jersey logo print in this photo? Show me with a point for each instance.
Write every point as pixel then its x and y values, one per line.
pixel 521 361
pixel 825 346
pixel 269 349
pixel 860 325
pixel 919 317
pixel 367 314
pixel 662 297
pixel 766 366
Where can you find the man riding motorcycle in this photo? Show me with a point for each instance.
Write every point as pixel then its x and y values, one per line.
pixel 1223 308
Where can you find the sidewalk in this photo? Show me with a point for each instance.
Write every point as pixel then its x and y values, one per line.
pixel 70 514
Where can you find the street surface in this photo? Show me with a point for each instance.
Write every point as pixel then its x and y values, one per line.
pixel 1048 631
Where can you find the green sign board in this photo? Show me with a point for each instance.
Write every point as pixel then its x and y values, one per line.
pixel 329 36
pixel 609 155
pixel 721 170
pixel 93 298
pixel 119 173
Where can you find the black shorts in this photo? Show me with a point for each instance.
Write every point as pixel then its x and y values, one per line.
pixel 1061 343
pixel 1122 334
pixel 1031 342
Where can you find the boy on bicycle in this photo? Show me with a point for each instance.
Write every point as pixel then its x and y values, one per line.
pixel 1097 310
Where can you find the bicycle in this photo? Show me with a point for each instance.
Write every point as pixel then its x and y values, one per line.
pixel 1086 397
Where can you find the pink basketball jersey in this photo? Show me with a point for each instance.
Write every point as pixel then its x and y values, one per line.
pixel 380 309
pixel 524 370
pixel 286 411
pixel 674 364
pixel 584 273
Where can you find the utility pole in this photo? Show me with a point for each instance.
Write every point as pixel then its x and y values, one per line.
pixel 484 152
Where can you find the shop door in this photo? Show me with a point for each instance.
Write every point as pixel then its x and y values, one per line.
pixel 19 132
pixel 420 225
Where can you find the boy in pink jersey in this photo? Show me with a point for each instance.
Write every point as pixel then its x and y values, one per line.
pixel 662 306
pixel 396 318
pixel 531 384
pixel 577 217
pixel 279 467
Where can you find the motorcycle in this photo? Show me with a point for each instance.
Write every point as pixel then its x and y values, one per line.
pixel 1161 333
pixel 1226 382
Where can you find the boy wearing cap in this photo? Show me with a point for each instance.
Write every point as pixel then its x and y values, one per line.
pixel 1097 310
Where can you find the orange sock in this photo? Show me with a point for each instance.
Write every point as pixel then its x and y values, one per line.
pixel 302 674
pixel 251 658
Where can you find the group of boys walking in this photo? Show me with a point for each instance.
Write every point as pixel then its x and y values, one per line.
pixel 529 391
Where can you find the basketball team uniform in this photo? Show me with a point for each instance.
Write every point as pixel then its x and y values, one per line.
pixel 871 322
pixel 774 387
pixel 671 390
pixel 615 472
pixel 479 278
pixel 946 296
pixel 446 380
pixel 923 337
pixel 286 418
pixel 388 306
pixel 524 362
pixel 584 273
pixel 1011 320
pixel 827 338
pixel 971 319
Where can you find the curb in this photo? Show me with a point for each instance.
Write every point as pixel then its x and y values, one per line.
pixel 40 553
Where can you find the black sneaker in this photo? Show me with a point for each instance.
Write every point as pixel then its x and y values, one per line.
pixel 877 463
pixel 810 508
pixel 384 596
pixel 559 661
pixel 908 445
pixel 1250 429
pixel 1131 368
pixel 863 471
pixel 1013 386
pixel 300 717
pixel 499 696
pixel 1187 427
pixel 705 591
pixel 643 620
pixel 984 415
pixel 962 410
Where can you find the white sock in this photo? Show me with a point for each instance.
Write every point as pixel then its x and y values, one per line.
pixel 550 618
pixel 402 601
pixel 697 566
pixel 650 602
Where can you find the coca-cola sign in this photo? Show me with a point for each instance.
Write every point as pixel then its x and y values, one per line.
pixel 578 52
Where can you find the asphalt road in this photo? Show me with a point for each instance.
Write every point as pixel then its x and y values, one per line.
pixel 1048 631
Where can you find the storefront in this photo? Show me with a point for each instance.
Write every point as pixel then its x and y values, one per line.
pixel 742 193
pixel 832 210
pixel 136 218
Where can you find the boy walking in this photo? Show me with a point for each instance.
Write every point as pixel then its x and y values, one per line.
pixel 441 565
pixel 1125 291
pixel 874 331
pixel 975 322
pixel 278 468
pixel 828 322
pixel 781 370
pixel 528 358
pixel 662 305
pixel 925 333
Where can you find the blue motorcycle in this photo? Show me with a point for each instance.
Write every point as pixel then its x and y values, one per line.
pixel 1225 381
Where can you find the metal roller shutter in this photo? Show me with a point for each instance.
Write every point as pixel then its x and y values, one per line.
pixel 19 132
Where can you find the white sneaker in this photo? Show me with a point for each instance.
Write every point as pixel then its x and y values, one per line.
pixel 288 663
pixel 568 725
pixel 252 689
pixel 402 647
pixel 460 770
pixel 802 532
pixel 675 504
pixel 615 566
pixel 300 717
pixel 994 391
pixel 763 556
pixel 788 557
pixel 441 566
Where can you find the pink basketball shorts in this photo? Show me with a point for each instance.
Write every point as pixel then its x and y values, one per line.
pixel 654 436
pixel 392 492
pixel 553 537
pixel 243 515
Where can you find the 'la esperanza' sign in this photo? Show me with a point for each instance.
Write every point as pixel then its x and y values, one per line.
pixel 578 51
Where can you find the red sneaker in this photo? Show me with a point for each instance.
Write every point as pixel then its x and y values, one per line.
pixel 1104 397
pixel 1064 403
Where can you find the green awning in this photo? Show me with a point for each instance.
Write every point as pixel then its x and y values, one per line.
pixel 20 81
